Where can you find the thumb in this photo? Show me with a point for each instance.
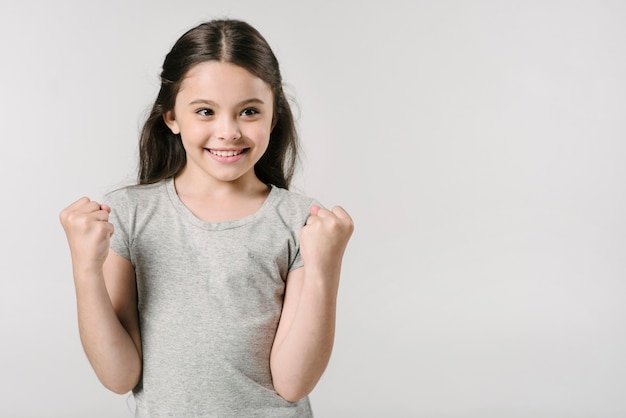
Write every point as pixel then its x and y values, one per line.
pixel 314 210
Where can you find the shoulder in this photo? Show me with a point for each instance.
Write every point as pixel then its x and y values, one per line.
pixel 133 207
pixel 291 206
pixel 136 203
pixel 293 198
pixel 134 195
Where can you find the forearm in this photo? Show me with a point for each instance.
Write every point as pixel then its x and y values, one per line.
pixel 299 360
pixel 112 352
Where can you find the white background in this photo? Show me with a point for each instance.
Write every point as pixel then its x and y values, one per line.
pixel 479 145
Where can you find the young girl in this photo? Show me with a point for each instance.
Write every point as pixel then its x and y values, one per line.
pixel 209 289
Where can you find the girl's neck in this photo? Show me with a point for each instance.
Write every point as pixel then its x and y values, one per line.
pixel 221 201
pixel 189 183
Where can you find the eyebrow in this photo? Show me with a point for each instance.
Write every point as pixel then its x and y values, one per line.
pixel 212 103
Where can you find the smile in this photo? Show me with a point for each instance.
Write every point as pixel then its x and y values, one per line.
pixel 228 153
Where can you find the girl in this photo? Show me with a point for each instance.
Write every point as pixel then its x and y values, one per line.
pixel 209 289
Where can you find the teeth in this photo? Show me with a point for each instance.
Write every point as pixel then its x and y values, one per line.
pixel 225 153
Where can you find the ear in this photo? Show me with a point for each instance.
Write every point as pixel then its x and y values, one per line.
pixel 170 120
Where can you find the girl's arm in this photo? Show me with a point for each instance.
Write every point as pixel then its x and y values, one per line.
pixel 106 297
pixel 305 335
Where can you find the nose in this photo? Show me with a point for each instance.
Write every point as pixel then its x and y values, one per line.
pixel 228 129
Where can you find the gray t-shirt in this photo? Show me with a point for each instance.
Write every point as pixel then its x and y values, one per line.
pixel 209 297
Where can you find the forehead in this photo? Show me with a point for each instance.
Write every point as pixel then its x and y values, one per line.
pixel 222 79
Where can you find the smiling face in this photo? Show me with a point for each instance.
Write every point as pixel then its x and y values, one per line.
pixel 224 116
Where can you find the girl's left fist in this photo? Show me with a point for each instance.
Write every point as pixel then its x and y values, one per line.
pixel 324 238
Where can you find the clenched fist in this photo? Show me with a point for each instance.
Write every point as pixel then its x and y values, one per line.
pixel 324 238
pixel 88 230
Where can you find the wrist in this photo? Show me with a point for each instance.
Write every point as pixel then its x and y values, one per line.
pixel 86 271
pixel 323 278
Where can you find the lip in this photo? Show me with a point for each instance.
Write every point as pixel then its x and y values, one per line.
pixel 240 153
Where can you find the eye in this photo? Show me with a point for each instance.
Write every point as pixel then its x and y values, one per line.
pixel 204 112
pixel 250 111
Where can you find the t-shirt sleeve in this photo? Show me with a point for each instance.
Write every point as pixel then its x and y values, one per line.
pixel 297 261
pixel 119 217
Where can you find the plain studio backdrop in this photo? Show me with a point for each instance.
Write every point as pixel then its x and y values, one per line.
pixel 479 145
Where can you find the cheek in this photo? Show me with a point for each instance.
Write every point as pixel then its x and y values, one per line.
pixel 193 133
pixel 266 137
pixel 260 133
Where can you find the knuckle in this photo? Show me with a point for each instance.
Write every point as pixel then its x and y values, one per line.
pixel 70 217
pixel 334 222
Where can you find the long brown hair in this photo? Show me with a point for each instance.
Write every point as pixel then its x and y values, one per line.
pixel 161 152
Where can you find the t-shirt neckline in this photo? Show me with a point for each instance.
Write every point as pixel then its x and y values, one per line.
pixel 217 226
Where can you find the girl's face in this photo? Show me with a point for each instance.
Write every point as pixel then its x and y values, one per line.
pixel 224 116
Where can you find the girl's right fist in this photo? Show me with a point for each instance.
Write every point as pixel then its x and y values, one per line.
pixel 88 230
